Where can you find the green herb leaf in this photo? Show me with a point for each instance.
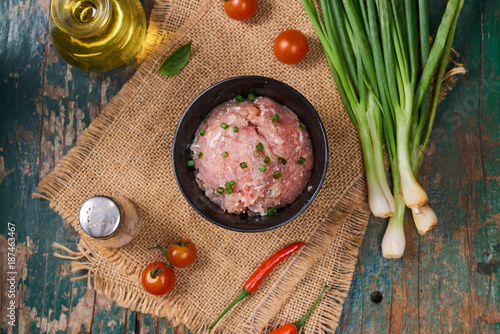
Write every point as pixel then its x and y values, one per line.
pixel 271 212
pixel 283 161
pixel 229 188
pixel 176 61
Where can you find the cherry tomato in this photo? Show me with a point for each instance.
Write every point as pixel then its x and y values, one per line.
pixel 182 253
pixel 240 10
pixel 162 282
pixel 291 46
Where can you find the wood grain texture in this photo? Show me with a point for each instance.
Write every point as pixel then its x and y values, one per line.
pixel 447 281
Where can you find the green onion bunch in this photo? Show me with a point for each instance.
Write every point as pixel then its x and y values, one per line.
pixel 384 80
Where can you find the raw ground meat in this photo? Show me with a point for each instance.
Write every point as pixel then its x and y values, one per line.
pixel 254 191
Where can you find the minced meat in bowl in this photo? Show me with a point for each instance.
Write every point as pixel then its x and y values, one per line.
pixel 252 156
pixel 185 160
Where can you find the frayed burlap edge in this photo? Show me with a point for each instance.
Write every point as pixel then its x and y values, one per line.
pixel 50 187
pixel 343 229
pixel 351 224
pixel 55 181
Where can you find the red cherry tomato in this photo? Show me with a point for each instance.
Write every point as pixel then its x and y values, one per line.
pixel 182 253
pixel 291 46
pixel 162 282
pixel 240 10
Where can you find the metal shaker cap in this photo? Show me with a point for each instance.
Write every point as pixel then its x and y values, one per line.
pixel 100 217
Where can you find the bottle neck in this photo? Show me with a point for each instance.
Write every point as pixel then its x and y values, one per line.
pixel 80 18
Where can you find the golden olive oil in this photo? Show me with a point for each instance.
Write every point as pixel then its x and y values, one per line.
pixel 97 35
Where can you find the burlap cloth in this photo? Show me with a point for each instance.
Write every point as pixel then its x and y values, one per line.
pixel 127 151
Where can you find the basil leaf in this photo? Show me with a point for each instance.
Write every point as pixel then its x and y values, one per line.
pixel 176 61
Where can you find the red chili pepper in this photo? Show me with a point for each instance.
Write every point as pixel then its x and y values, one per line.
pixel 258 276
pixel 294 328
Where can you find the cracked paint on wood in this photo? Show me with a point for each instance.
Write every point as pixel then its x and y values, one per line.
pixel 446 282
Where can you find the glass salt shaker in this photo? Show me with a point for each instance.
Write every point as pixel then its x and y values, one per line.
pixel 112 222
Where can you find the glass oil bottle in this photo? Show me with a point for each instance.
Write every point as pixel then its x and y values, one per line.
pixel 97 35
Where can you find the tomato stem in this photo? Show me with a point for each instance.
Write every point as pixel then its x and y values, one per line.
pixel 179 243
pixel 242 295
pixel 165 255
pixel 155 271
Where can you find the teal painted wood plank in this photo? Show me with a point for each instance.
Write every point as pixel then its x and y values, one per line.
pixel 352 314
pixel 485 232
pixel 21 65
pixel 108 317
pixel 446 282
pixel 377 276
pixel 146 323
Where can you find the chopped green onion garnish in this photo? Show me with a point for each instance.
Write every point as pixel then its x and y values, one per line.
pixel 275 118
pixel 202 132
pixel 302 126
pixel 262 168
pixel 239 98
pixel 225 154
pixel 200 155
pixel 235 129
pixel 260 147
pixel 243 165
pixel 256 153
pixel 190 163
pixel 206 118
pixel 283 161
pixel 251 97
pixel 229 189
pixel 224 126
pixel 271 212
pixel 277 175
pixel 220 190
pixel 267 159
pixel 301 160
pixel 232 183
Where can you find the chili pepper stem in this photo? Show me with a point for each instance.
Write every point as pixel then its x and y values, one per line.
pixel 164 252
pixel 298 324
pixel 242 295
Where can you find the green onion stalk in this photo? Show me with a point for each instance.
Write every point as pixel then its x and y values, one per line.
pixel 358 98
pixel 372 49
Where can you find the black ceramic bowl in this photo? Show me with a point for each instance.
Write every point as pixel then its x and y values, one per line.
pixel 222 92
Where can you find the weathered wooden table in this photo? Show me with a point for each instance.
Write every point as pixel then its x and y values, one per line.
pixel 447 281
